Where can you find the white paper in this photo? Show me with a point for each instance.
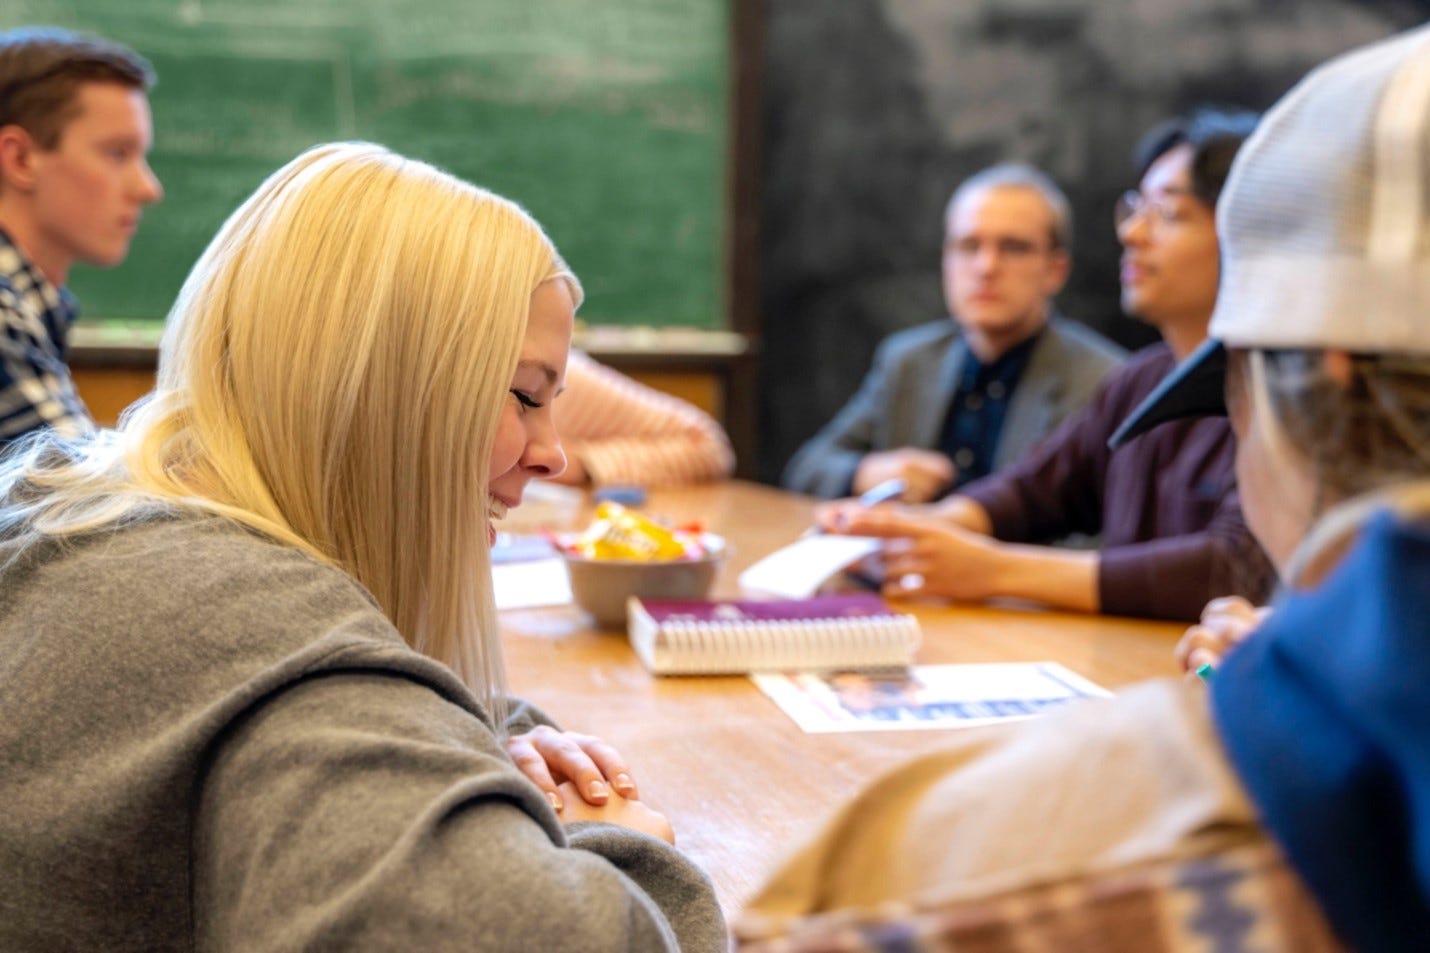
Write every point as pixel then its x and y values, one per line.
pixel 526 585
pixel 925 696
pixel 799 569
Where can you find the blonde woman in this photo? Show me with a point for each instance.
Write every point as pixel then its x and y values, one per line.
pixel 1287 805
pixel 251 692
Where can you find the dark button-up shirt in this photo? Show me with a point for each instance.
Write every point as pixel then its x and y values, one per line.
pixel 980 403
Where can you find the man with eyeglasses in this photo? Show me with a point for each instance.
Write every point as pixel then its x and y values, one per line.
pixel 953 400
pixel 1165 503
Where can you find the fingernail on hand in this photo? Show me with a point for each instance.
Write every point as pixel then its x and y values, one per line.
pixel 555 800
pixel 596 789
pixel 911 581
pixel 625 785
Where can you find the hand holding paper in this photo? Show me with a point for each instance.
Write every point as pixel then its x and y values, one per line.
pixel 799 570
pixel 934 560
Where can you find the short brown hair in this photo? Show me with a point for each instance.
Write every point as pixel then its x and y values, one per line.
pixel 42 68
pixel 1020 175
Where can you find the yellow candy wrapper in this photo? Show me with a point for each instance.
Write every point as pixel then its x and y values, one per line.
pixel 619 533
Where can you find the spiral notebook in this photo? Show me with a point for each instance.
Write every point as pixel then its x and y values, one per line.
pixel 842 632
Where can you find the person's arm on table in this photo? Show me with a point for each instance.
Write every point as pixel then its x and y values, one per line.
pixel 955 563
pixel 1175 577
pixel 926 473
pixel 549 756
pixel 1058 488
pixel 1054 490
pixel 963 512
pixel 956 510
pixel 617 430
pixel 841 458
pixel 1168 578
pixel 968 547
pixel 825 464
pixel 365 812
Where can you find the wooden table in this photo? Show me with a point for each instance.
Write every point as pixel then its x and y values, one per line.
pixel 740 782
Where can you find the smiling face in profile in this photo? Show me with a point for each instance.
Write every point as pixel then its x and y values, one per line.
pixel 1169 258
pixel 526 445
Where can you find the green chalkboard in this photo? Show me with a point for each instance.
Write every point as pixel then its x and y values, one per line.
pixel 605 118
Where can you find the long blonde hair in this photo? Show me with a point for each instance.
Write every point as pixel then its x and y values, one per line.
pixel 331 375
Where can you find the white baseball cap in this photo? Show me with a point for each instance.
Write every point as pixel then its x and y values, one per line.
pixel 1324 226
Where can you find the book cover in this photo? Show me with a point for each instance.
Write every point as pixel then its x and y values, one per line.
pixel 734 636
pixel 924 696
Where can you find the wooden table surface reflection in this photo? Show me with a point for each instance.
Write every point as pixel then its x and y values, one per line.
pixel 740 782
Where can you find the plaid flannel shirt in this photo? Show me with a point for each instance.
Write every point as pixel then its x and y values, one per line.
pixel 1245 900
pixel 36 389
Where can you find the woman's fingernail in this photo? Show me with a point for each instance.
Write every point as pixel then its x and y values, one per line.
pixel 555 801
pixel 596 789
pixel 624 783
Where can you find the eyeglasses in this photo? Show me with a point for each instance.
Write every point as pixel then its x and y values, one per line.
pixel 1013 249
pixel 1158 214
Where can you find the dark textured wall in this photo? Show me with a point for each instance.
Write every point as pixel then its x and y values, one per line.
pixel 874 110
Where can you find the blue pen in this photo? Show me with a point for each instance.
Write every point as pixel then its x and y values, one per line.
pixel 869 573
pixel 883 493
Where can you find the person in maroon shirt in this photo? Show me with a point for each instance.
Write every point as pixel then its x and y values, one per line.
pixel 1165 503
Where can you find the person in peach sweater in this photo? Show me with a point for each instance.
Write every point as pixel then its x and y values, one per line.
pixel 618 430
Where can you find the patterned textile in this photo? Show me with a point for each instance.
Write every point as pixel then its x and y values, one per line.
pixel 1245 899
pixel 36 390
pixel 625 432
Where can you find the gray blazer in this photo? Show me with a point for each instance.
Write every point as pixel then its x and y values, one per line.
pixel 905 397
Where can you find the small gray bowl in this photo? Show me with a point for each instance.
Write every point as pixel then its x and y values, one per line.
pixel 602 586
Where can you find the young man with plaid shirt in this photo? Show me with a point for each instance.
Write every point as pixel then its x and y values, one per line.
pixel 75 133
